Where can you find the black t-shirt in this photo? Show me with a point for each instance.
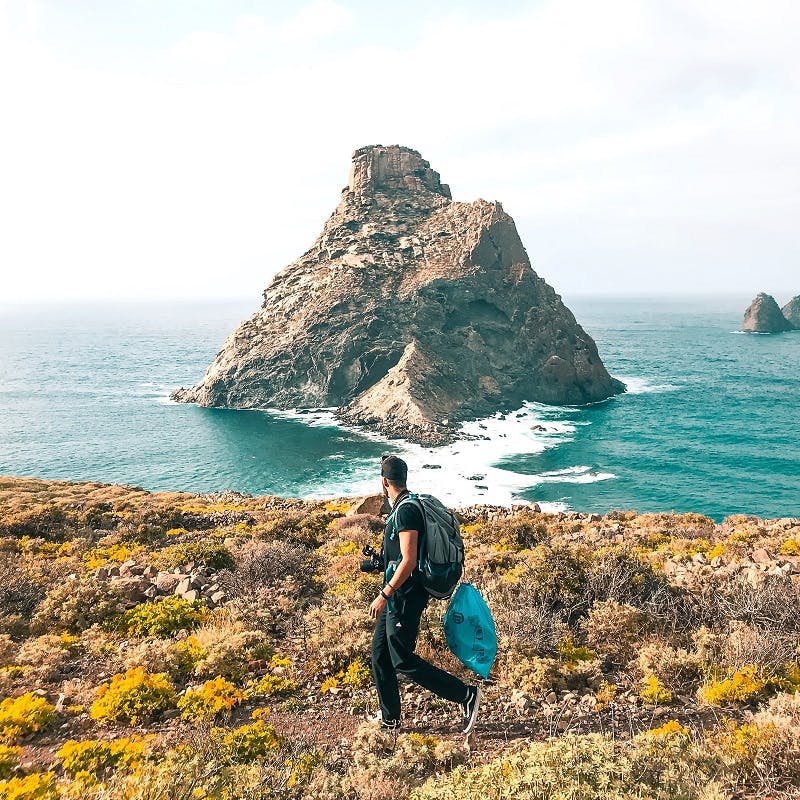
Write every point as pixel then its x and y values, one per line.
pixel 406 517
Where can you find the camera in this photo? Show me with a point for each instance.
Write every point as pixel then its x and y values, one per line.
pixel 373 561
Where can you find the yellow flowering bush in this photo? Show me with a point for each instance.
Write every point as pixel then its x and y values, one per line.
pixel 249 742
pixel 132 697
pixel 271 685
pixel 20 716
pixel 329 684
pixel 569 651
pixel 669 728
pixel 791 547
pixel 36 786
pixel 743 685
pixel 358 674
pixel 653 692
pixel 90 760
pixel 212 698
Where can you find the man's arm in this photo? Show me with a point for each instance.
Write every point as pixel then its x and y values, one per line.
pixel 408 550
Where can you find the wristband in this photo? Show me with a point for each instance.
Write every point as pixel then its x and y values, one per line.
pixel 384 595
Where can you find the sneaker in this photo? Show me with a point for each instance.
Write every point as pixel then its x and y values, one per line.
pixel 469 708
pixel 390 724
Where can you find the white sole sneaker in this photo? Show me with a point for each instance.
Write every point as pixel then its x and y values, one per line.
pixel 470 707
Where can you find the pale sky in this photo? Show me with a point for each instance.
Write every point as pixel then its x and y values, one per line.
pixel 190 148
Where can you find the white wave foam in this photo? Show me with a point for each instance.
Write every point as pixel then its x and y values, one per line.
pixel 640 385
pixel 465 472
pixel 575 475
pixel 471 470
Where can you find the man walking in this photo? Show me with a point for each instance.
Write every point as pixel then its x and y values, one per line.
pixel 398 609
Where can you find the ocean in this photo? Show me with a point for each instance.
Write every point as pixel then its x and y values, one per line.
pixel 709 423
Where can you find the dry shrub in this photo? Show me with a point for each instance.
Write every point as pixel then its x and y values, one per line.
pixel 518 532
pixel 336 636
pixel 20 594
pixel 525 617
pixel 46 656
pixel 47 520
pixel 153 655
pixel 271 584
pixel 75 605
pixel 772 603
pixel 358 525
pixel 771 649
pixel 267 565
pixel 531 674
pixel 228 649
pixel 622 576
pixel 616 629
pixel 8 650
pixel 676 668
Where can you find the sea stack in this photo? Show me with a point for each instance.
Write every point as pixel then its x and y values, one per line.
pixel 764 315
pixel 409 313
pixel 791 311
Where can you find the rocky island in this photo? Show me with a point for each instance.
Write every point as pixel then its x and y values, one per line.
pixel 764 315
pixel 409 313
pixel 792 312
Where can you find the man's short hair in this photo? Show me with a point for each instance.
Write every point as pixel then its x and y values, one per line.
pixel 394 469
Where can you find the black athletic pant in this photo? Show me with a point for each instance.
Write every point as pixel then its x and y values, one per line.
pixel 393 651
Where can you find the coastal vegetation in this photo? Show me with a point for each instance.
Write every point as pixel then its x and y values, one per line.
pixel 177 646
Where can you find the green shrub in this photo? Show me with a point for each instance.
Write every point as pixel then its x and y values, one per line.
pixel 590 767
pixel 208 552
pixel 9 759
pixel 163 618
pixel 132 697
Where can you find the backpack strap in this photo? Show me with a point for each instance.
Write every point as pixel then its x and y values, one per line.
pixel 411 498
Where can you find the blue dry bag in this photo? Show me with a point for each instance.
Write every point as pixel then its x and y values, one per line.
pixel 469 630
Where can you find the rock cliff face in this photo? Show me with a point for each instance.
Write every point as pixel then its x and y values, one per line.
pixel 410 312
pixel 763 315
pixel 792 312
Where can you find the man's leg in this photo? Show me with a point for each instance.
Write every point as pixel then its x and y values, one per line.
pixel 384 672
pixel 401 629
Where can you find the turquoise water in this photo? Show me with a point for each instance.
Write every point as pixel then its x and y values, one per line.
pixel 710 423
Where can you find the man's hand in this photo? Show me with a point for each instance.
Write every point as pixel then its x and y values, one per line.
pixel 378 604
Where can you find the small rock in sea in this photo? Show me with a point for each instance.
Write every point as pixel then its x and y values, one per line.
pixel 520 416
pixel 431 466
pixel 540 428
pixel 476 477
pixel 481 426
pixel 480 486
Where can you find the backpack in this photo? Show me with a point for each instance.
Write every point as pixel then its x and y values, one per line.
pixel 441 549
